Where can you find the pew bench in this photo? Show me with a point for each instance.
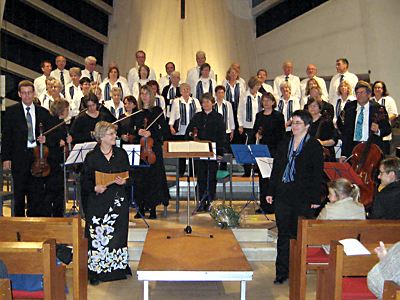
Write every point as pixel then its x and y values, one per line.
pixel 5 289
pixel 64 230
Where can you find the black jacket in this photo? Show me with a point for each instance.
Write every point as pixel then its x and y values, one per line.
pixel 387 203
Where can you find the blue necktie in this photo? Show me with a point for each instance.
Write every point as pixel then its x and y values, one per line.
pixel 359 125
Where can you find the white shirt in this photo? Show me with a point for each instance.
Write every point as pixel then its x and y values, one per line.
pixel 205 82
pixel 96 75
pixel 268 88
pixel 321 83
pixel 133 75
pixel 285 110
pixel 241 81
pixel 242 90
pixel 351 78
pixel 170 98
pixel 193 75
pixel 365 127
pixel 57 74
pixel 40 85
pixel 75 100
pixel 294 83
pixel 342 105
pixel 116 111
pixel 125 89
pixel 164 81
pixel 33 116
pixel 175 113
pixel 46 100
pixel 120 78
pixel 391 108
pixel 230 121
pixel 255 108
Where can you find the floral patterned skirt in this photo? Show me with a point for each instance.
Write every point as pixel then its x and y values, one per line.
pixel 107 232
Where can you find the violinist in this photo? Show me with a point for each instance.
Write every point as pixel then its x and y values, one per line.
pixel 314 90
pixel 150 181
pixel 59 142
pixel 361 121
pixel 210 126
pixel 20 136
pixel 126 127
pixel 322 128
pixel 269 129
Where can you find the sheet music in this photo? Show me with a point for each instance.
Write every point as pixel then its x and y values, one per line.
pixel 214 150
pixel 354 247
pixel 265 166
pixel 79 152
pixel 188 146
pixel 133 151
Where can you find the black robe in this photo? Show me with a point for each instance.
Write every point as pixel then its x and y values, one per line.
pixel 107 217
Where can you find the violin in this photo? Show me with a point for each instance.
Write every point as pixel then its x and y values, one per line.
pixel 325 117
pixel 366 158
pixel 146 147
pixel 40 166
pixel 260 132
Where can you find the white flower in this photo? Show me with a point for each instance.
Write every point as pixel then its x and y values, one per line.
pixel 96 244
pixel 96 220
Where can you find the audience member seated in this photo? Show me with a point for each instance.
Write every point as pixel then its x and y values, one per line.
pixel 387 200
pixel 388 268
pixel 343 202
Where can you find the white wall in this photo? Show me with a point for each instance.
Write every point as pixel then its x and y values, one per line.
pixel 221 28
pixel 365 31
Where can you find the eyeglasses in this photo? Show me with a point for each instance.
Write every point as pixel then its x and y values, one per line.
pixel 297 123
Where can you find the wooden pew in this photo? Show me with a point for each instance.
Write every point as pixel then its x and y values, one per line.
pixel 5 289
pixel 391 291
pixel 36 258
pixel 319 232
pixel 346 276
pixel 64 230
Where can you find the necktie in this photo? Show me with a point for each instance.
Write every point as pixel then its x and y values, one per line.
pixel 91 76
pixel 31 137
pixel 341 78
pixel 62 81
pixel 287 78
pixel 71 91
pixel 359 125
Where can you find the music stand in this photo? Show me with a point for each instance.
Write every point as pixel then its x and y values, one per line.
pixel 335 170
pixel 246 154
pixel 133 151
pixel 77 156
pixel 170 151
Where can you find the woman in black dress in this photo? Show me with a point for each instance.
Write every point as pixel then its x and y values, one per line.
pixel 322 129
pixel 295 185
pixel 107 208
pixel 126 127
pixel 269 129
pixel 150 181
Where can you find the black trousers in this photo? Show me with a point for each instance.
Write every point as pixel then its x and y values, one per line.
pixel 182 161
pixel 54 205
pixel 287 212
pixel 206 172
pixel 263 184
pixel 25 185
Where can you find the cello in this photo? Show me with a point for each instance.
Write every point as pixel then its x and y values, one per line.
pixel 366 158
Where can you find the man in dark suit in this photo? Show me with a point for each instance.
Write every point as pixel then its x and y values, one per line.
pixel 20 136
pixel 362 119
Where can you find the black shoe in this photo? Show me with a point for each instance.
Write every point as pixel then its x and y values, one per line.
pixel 280 279
pixel 153 214
pixel 94 281
pixel 264 211
pixel 259 211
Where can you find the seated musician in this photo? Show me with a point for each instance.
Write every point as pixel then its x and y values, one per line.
pixel 363 119
pixel 387 201
pixel 322 128
pixel 343 202
pixel 210 126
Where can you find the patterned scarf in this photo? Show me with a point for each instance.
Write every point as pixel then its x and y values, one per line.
pixel 182 112
pixel 290 170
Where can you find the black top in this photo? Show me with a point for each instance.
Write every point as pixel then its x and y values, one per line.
pixel 210 127
pixel 308 177
pixel 387 203
pixel 326 109
pixel 56 153
pixel 82 126
pixel 272 129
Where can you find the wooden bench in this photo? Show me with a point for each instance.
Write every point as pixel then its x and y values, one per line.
pixel 64 230
pixel 36 258
pixel 5 289
pixel 346 276
pixel 391 291
pixel 304 257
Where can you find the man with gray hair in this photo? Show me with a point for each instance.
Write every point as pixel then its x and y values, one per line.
pixel 89 71
pixel 287 76
pixel 193 74
pixel 312 73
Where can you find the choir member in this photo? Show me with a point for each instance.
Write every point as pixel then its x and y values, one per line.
pixel 224 107
pixel 40 82
pixel 115 106
pixel 61 73
pixel 150 181
pixel 89 71
pixel 205 84
pixel 106 208
pixel 294 185
pixel 269 129
pixel 171 91
pixel 344 95
pixel 288 77
pixel 166 79
pixel 287 105
pixel 262 74
pixel 249 106
pixel 193 74
pixel 342 68
pixel 313 90
pixel 210 126
pixel 73 93
pixel 312 74
pixel 159 100
pixel 381 95
pixel 45 98
pixel 133 75
pixel 111 81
